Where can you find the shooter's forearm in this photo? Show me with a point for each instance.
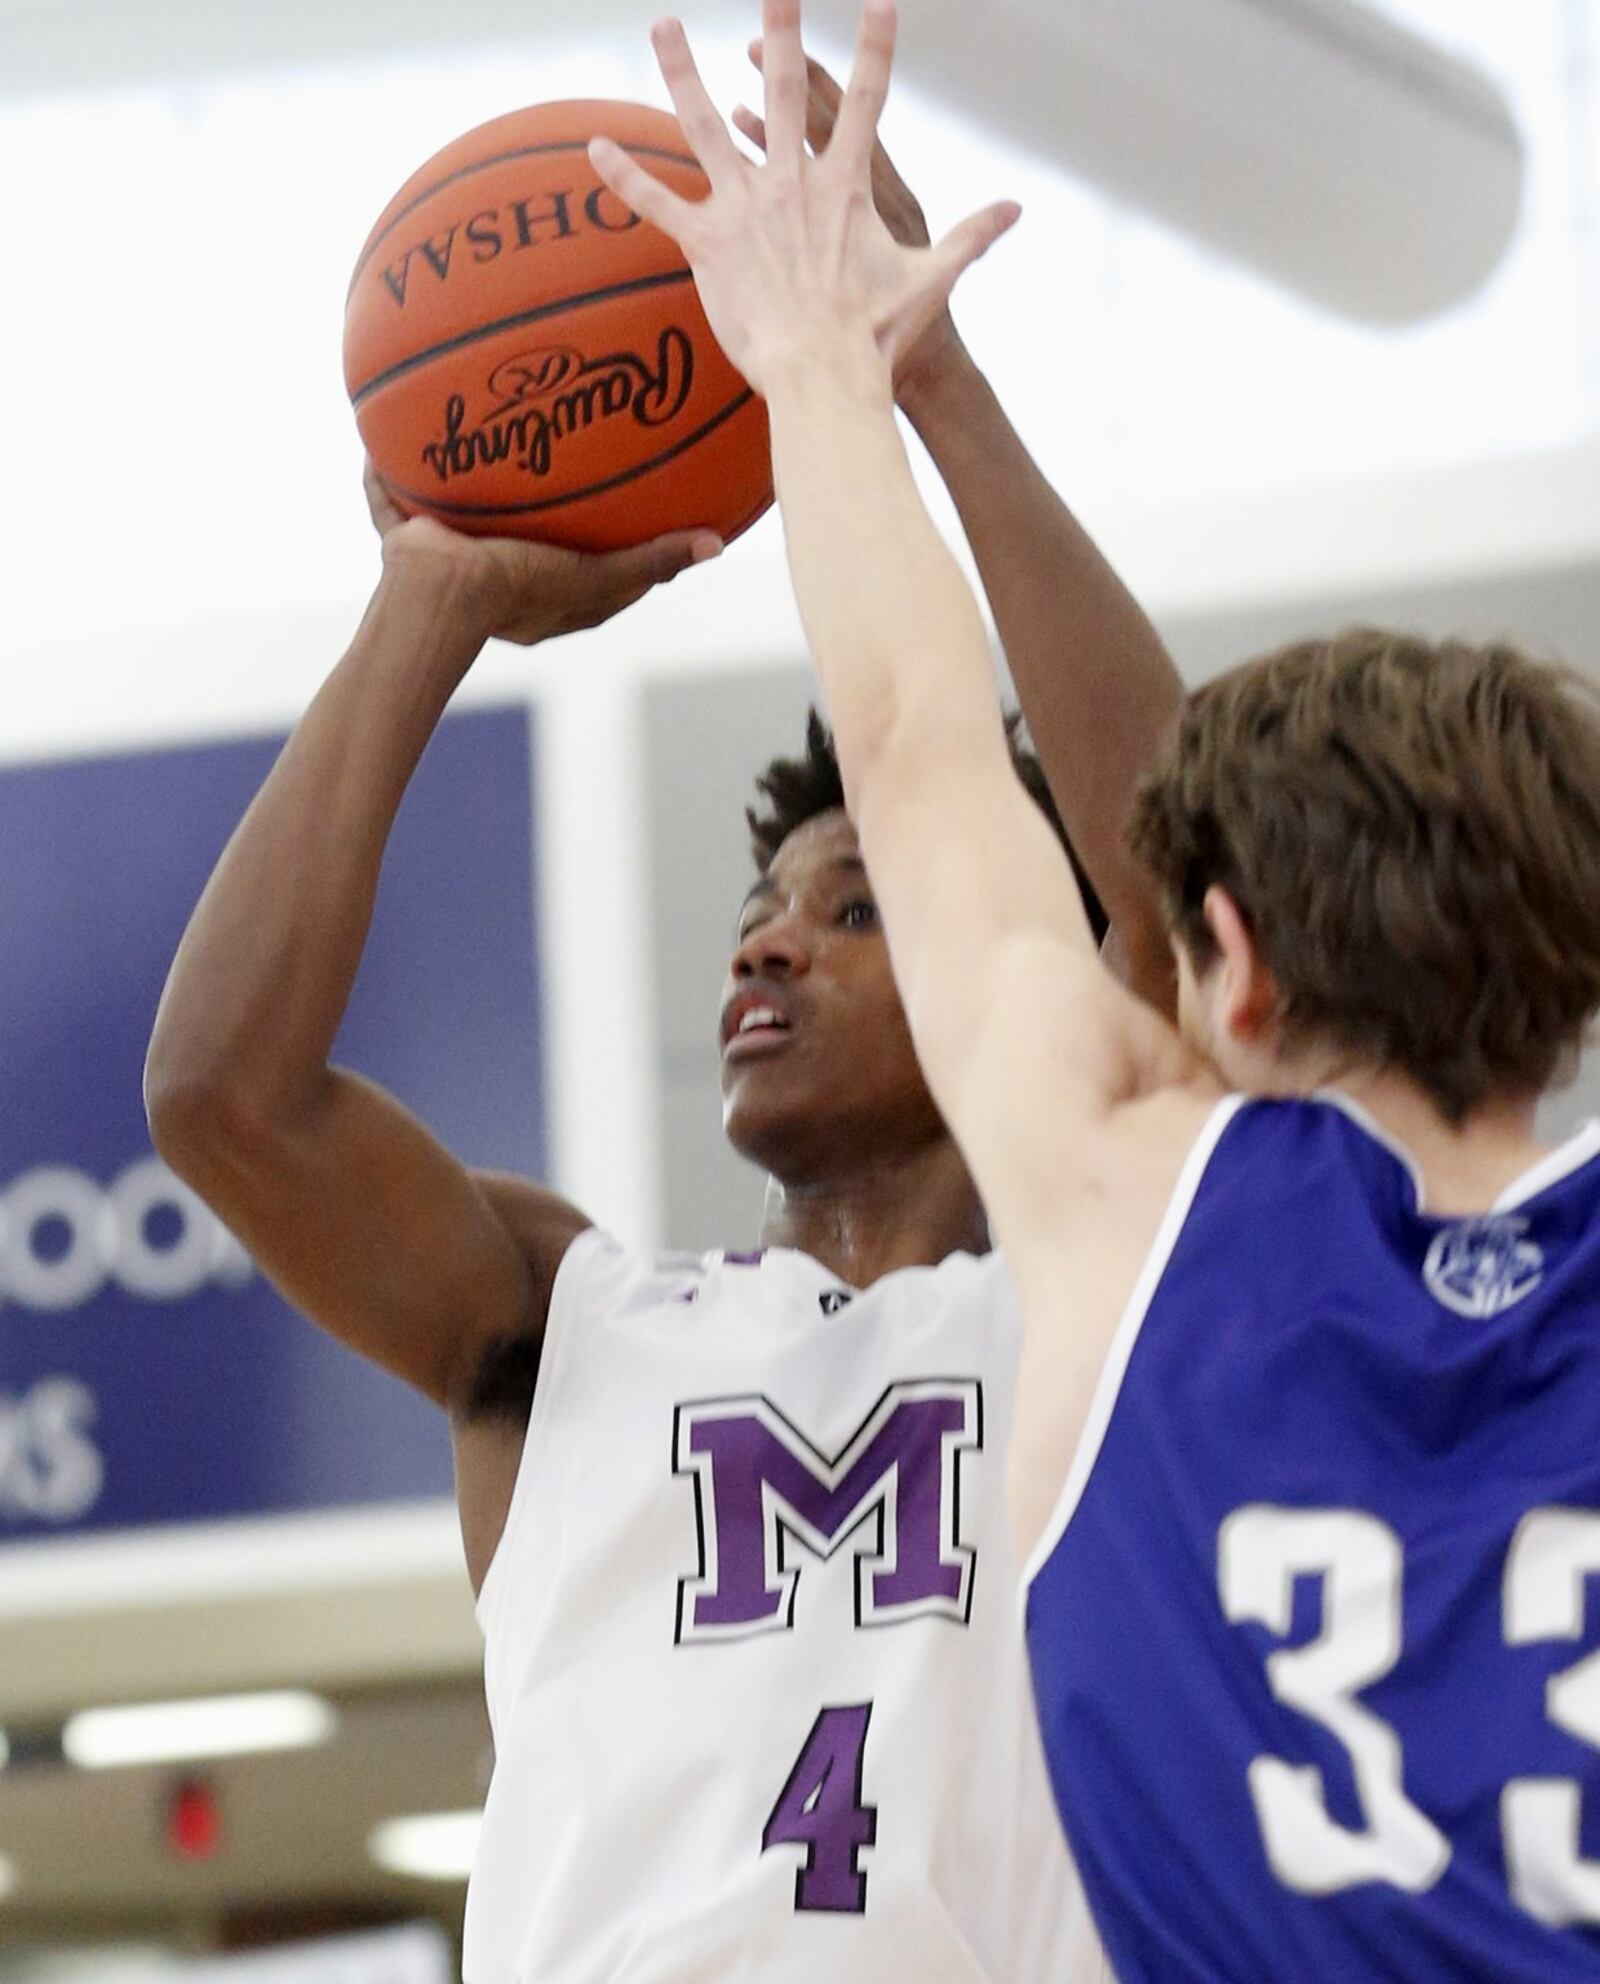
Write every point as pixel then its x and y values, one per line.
pixel 261 980
pixel 1096 683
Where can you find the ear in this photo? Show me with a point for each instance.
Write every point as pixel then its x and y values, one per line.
pixel 1249 994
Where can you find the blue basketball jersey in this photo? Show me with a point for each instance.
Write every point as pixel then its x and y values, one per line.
pixel 1311 1633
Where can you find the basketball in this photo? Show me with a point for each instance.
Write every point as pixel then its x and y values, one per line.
pixel 527 357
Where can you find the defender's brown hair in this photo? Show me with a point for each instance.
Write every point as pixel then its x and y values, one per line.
pixel 1412 833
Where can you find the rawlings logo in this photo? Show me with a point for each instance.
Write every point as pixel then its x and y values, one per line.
pixel 542 398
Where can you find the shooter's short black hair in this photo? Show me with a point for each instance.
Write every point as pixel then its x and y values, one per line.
pixel 795 790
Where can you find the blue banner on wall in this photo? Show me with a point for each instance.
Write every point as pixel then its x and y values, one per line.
pixel 148 1374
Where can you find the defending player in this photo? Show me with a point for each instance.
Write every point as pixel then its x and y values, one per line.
pixel 1316 1365
pixel 718 1756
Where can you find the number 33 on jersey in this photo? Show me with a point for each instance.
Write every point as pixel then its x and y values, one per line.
pixel 1316 1633
pixel 1358 1561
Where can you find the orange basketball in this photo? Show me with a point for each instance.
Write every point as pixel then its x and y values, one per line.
pixel 528 358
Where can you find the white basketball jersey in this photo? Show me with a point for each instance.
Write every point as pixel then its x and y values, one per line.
pixel 753 1654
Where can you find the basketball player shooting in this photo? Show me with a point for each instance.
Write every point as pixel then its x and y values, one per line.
pixel 1304 1449
pixel 735 1522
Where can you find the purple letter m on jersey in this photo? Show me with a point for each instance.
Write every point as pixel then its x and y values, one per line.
pixel 758 1482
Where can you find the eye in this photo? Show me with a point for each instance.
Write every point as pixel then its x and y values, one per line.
pixel 860 913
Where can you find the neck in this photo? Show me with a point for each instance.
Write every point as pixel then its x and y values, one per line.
pixel 862 1225
pixel 1464 1166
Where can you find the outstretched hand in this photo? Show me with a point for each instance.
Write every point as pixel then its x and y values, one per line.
pixel 524 592
pixel 793 258
pixel 898 207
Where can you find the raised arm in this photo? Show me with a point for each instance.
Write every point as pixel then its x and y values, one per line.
pixel 1096 683
pixel 1071 1099
pixel 817 304
pixel 354 1211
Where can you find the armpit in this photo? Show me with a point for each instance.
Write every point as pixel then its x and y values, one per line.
pixel 502 1386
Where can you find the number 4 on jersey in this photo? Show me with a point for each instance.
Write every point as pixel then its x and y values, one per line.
pixel 820 1809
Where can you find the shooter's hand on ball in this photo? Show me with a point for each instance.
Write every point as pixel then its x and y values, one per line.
pixel 512 590
pixel 794 263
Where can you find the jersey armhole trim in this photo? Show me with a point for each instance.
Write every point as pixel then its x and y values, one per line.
pixel 1120 1351
pixel 552 1359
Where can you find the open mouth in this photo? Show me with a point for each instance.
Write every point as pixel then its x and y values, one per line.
pixel 760 1019
pixel 754 1024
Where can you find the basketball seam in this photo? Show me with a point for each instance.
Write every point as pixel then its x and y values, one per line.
pixel 429 503
pixel 504 158
pixel 671 279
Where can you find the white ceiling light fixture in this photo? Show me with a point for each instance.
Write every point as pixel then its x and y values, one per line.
pixel 181 1732
pixel 427 1846
pixel 1321 142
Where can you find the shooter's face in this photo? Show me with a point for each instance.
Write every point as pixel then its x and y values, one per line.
pixel 819 1076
